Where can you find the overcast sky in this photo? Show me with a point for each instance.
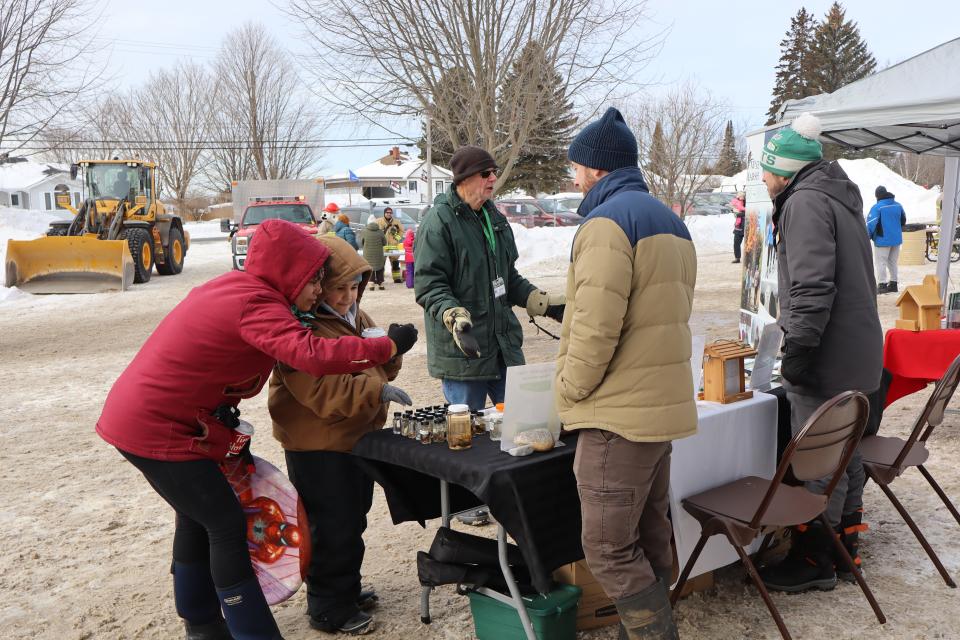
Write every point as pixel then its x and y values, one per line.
pixel 728 48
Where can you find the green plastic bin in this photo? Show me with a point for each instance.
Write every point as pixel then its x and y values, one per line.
pixel 554 616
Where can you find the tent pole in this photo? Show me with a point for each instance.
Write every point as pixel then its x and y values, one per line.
pixel 948 222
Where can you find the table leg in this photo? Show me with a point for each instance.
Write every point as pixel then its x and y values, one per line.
pixel 425 604
pixel 512 584
pixel 445 503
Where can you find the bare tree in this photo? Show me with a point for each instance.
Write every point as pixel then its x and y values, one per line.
pixel 94 136
pixel 171 122
pixel 265 112
pixel 691 128
pixel 43 45
pixel 453 57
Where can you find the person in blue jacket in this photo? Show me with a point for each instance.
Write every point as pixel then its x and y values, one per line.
pixel 885 227
pixel 344 232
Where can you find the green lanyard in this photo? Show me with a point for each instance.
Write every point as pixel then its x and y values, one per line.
pixel 488 232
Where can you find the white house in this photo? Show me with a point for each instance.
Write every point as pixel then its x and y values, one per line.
pixel 25 184
pixel 394 176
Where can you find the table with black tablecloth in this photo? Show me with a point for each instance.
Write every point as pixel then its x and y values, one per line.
pixel 533 497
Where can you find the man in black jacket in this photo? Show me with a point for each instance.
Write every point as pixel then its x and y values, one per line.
pixel 828 313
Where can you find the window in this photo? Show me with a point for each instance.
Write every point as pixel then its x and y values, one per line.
pixel 411 186
pixel 46 201
pixel 14 199
pixel 438 186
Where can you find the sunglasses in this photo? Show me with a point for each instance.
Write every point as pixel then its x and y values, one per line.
pixel 486 173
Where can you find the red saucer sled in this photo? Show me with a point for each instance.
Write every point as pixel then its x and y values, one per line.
pixel 278 535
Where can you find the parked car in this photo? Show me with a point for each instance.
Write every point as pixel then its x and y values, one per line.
pixel 569 201
pixel 531 213
pixel 710 204
pixel 557 214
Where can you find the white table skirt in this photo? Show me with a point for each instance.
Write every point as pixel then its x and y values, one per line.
pixel 732 441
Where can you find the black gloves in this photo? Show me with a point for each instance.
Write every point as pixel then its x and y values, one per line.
pixel 555 312
pixel 798 364
pixel 403 335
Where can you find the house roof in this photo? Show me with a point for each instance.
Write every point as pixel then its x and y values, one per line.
pixel 407 168
pixel 22 176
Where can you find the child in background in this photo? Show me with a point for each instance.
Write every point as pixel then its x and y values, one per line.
pixel 372 239
pixel 408 256
pixel 344 232
pixel 318 421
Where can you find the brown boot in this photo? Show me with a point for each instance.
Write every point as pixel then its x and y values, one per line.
pixel 647 615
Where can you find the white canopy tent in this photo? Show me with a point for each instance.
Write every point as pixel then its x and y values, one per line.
pixel 914 107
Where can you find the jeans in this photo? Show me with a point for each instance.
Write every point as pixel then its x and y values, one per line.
pixel 474 393
pixel 737 241
pixel 337 496
pixel 409 275
pixel 885 259
pixel 847 496
pixel 623 487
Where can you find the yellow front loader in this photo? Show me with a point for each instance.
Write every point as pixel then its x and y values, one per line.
pixel 115 238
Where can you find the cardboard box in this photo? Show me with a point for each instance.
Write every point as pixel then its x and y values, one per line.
pixel 595 608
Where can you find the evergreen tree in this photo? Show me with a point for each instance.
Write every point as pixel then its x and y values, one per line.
pixel 839 53
pixel 658 162
pixel 542 165
pixel 729 162
pixel 795 68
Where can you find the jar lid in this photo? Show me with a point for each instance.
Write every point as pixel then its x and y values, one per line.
pixel 459 408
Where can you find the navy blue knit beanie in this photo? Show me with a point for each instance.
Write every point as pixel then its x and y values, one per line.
pixel 606 144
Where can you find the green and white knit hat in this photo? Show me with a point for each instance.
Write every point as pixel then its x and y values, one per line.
pixel 793 148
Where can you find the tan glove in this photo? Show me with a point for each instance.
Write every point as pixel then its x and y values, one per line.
pixel 457 321
pixel 541 303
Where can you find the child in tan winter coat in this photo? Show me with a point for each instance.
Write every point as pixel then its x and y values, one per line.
pixel 318 420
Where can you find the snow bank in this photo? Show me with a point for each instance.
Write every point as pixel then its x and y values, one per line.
pixel 918 203
pixel 25 224
pixel 208 229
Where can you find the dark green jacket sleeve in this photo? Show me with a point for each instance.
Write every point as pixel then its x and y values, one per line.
pixel 433 268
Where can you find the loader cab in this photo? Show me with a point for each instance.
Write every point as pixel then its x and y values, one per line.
pixel 110 181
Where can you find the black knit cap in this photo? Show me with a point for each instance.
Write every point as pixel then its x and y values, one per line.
pixel 468 160
pixel 882 194
pixel 606 144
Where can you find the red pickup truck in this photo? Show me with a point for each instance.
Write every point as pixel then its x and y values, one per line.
pixel 292 210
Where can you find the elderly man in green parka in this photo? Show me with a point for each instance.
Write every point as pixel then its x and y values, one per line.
pixel 467 284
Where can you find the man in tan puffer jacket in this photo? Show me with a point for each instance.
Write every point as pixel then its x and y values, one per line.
pixel 318 420
pixel 623 372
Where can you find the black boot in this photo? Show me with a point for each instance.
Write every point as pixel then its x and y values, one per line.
pixel 809 565
pixel 882 288
pixel 647 615
pixel 247 613
pixel 209 631
pixel 358 624
pixel 367 600
pixel 851 526
pixel 892 286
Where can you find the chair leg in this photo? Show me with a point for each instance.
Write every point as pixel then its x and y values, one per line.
pixel 764 545
pixel 943 496
pixel 697 550
pixel 752 571
pixel 916 532
pixel 853 569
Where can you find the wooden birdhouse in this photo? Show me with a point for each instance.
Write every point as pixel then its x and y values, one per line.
pixel 723 371
pixel 920 306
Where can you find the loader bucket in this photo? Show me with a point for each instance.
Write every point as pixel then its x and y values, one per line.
pixel 69 264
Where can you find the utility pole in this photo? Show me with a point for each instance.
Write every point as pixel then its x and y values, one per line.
pixel 429 159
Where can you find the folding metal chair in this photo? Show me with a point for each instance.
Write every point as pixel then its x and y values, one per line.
pixel 746 508
pixel 886 458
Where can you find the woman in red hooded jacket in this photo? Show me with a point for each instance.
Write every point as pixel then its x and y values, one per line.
pixel 408 239
pixel 171 411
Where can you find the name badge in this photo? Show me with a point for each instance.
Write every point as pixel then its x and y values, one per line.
pixel 499 288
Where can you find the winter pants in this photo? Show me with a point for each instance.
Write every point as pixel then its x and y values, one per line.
pixel 885 259
pixel 474 393
pixel 624 501
pixel 847 497
pixel 337 496
pixel 395 269
pixel 211 526
pixel 409 275
pixel 737 241
pixel 377 277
